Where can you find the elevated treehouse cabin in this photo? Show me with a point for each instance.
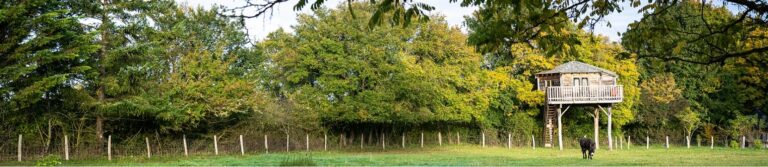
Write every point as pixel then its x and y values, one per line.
pixel 577 84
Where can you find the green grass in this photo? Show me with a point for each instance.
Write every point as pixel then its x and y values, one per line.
pixel 460 155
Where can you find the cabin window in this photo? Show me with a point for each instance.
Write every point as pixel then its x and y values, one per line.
pixel 576 82
pixel 580 82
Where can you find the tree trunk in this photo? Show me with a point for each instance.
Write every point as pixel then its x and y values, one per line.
pixel 102 72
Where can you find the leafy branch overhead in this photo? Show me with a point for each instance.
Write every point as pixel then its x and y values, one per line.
pixel 540 23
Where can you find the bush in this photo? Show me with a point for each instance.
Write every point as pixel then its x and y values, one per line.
pixel 758 144
pixel 734 144
pixel 50 160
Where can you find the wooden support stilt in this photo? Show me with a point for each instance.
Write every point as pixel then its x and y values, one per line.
pixel 610 131
pixel 596 122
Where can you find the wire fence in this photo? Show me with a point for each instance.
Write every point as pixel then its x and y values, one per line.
pixel 30 148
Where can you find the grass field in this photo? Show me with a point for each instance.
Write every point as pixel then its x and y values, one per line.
pixel 460 155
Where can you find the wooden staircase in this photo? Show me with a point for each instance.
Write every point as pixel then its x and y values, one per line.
pixel 550 124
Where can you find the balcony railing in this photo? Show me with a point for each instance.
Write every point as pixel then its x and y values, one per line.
pixel 584 94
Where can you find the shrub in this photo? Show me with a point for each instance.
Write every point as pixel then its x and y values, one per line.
pixel 758 144
pixel 50 160
pixel 734 144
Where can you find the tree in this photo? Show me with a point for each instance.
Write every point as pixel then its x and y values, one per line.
pixel 541 20
pixel 384 77
pixel 721 90
pixel 43 57
pixel 43 48
pixel 661 100
pixel 690 121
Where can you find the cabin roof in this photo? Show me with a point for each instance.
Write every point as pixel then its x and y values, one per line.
pixel 577 67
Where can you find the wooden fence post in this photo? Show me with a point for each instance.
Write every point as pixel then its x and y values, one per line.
pixel 66 148
pixel 743 141
pixel 711 142
pixel 483 139
pixel 667 139
pixel 458 138
pixel 621 143
pixel 266 144
pixel 288 142
pixel 362 139
pixel 533 142
pixel 325 141
pixel 647 142
pixel 402 140
pixel 149 152
pixel 439 138
pixel 216 144
pixel 19 149
pixel 109 147
pixel 242 149
pixel 687 141
pixel 184 141
pixel 422 139
pixel 307 142
pixel 629 142
pixel 383 142
pixel 509 141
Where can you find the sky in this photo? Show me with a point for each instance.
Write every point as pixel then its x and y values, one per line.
pixel 283 16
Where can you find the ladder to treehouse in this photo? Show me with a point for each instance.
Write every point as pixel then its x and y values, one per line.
pixel 550 124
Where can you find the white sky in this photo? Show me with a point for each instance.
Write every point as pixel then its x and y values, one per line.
pixel 284 16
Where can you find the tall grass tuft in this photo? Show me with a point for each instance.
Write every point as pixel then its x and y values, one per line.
pixel 298 161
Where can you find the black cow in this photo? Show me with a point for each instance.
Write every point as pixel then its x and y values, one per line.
pixel 587 145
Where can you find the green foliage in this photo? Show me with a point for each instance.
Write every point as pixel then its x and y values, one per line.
pixel 298 161
pixel 388 75
pixel 734 144
pixel 42 50
pixel 491 27
pixel 758 144
pixel 742 125
pixel 674 47
pixel 50 160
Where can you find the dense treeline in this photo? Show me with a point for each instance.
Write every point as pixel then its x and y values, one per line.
pixel 136 68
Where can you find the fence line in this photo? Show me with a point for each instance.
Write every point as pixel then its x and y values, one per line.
pixel 31 148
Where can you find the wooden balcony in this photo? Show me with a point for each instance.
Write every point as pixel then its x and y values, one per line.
pixel 600 94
